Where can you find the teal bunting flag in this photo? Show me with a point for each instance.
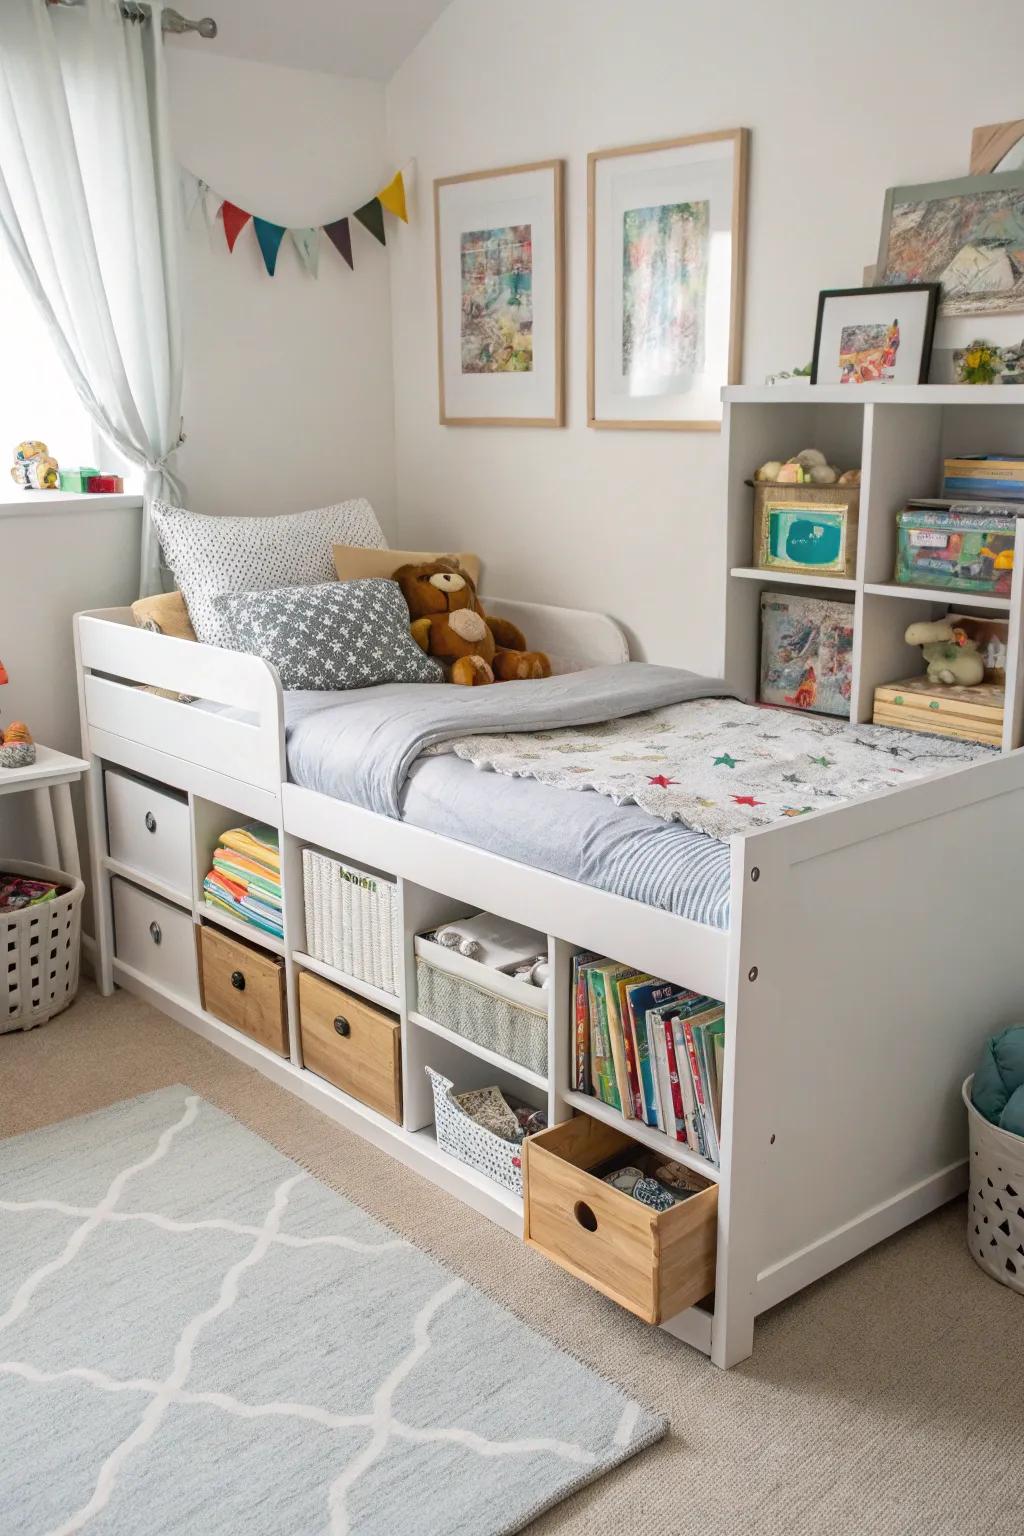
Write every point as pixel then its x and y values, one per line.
pixel 270 237
pixel 371 216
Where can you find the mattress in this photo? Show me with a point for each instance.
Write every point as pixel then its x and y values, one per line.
pixel 581 836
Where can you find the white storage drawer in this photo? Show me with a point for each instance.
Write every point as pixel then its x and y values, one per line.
pixel 148 830
pixel 155 939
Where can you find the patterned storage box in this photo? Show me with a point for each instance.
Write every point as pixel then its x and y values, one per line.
pixel 483 1005
pixel 473 1144
pixel 806 653
pixel 352 920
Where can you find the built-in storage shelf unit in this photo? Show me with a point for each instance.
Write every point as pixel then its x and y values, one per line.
pixel 898 437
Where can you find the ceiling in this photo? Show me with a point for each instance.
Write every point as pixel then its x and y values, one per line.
pixel 356 38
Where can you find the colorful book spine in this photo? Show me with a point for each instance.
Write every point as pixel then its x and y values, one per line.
pixel 581 1018
pixel 703 1103
pixel 623 1023
pixel 608 1089
pixel 675 1087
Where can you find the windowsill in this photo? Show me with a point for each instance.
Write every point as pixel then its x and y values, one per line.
pixel 15 503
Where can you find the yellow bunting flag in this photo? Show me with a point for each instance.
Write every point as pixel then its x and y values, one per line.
pixel 393 197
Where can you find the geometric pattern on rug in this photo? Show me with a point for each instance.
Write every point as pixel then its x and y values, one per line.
pixel 198 1336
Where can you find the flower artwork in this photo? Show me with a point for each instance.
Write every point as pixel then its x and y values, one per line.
pixel 867 353
pixel 664 290
pixel 497 300
pixel 984 363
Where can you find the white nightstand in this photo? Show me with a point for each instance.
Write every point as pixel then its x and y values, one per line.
pixel 49 781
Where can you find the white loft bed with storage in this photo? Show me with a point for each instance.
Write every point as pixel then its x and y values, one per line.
pixel 870 949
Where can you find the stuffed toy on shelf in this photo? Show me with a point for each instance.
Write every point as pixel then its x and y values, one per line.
pixel 17 749
pixel 448 622
pixel 951 655
pixel 33 468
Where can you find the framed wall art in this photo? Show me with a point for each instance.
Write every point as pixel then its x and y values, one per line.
pixel 810 529
pixel 874 335
pixel 666 231
pixel 968 235
pixel 500 267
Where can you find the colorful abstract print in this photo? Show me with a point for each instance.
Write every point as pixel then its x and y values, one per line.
pixel 973 245
pixel 497 300
pixel 867 353
pixel 664 289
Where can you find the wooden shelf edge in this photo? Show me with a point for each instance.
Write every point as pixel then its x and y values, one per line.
pixel 677 1151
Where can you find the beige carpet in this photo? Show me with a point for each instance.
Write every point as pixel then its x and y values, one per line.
pixel 887 1399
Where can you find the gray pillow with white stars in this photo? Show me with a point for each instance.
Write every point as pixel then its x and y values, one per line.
pixel 336 634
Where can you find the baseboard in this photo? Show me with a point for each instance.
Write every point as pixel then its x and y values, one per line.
pixel 855 1237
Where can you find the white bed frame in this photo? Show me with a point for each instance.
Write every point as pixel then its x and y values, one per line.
pixel 871 948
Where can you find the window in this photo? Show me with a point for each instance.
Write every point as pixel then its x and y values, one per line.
pixel 37 399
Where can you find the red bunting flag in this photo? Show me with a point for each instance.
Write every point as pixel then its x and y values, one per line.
pixel 235 220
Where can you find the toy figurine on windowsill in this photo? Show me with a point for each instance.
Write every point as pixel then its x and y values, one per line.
pixel 17 749
pixel 33 468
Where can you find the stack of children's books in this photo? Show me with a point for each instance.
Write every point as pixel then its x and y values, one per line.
pixel 651 1050
pixel 246 877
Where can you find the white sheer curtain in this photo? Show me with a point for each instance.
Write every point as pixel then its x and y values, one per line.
pixel 90 209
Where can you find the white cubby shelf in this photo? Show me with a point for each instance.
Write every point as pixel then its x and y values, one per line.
pixel 898 436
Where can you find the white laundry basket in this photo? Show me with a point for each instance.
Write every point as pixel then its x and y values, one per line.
pixel 995 1202
pixel 40 947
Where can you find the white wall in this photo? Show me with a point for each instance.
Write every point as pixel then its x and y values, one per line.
pixel 844 100
pixel 288 395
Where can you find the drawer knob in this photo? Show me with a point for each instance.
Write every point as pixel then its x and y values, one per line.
pixel 150 822
pixel 155 932
pixel 238 981
pixel 343 1027
pixel 585 1216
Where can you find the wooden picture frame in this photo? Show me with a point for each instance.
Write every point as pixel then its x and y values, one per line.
pixel 706 402
pixel 456 202
pixel 834 507
pixel 991 144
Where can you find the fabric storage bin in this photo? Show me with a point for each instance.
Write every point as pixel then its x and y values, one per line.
pixel 995 1208
pixel 41 947
pixel 156 939
pixel 148 830
pixel 483 1005
pixel 352 920
pixel 461 1137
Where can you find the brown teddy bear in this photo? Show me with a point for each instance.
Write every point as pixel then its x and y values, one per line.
pixel 448 622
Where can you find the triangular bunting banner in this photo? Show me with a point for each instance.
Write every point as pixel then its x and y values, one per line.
pixel 340 235
pixel 270 237
pixel 307 243
pixel 235 220
pixel 393 197
pixel 371 216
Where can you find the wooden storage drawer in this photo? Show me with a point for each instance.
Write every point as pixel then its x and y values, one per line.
pixel 352 1044
pixel 148 829
pixel 155 939
pixel 653 1263
pixel 244 986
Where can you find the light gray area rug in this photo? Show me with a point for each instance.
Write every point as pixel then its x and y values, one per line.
pixel 198 1336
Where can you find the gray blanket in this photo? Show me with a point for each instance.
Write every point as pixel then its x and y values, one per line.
pixel 359 746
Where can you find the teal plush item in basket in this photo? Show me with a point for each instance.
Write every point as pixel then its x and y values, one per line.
pixel 998 1089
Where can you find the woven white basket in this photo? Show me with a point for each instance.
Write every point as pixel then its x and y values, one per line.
pixel 471 1143
pixel 352 920
pixel 41 947
pixel 995 1204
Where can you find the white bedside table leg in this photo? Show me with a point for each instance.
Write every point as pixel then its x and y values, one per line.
pixel 67 837
pixel 49 852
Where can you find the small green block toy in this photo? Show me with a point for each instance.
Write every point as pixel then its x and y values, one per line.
pixel 76 479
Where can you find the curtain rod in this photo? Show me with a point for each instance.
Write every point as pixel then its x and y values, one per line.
pixel 171 21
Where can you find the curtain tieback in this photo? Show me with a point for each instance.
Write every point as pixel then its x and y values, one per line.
pixel 160 464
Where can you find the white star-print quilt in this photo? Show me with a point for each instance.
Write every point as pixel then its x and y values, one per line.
pixel 717 765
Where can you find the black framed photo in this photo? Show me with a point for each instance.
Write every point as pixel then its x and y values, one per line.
pixel 875 335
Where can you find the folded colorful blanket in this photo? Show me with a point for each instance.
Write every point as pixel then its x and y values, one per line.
pixel 256 841
pixel 246 871
pixel 998 1088
pixel 218 893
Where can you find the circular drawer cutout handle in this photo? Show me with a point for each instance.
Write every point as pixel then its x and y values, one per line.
pixel 150 822
pixel 342 1027
pixel 238 981
pixel 585 1216
pixel 155 932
